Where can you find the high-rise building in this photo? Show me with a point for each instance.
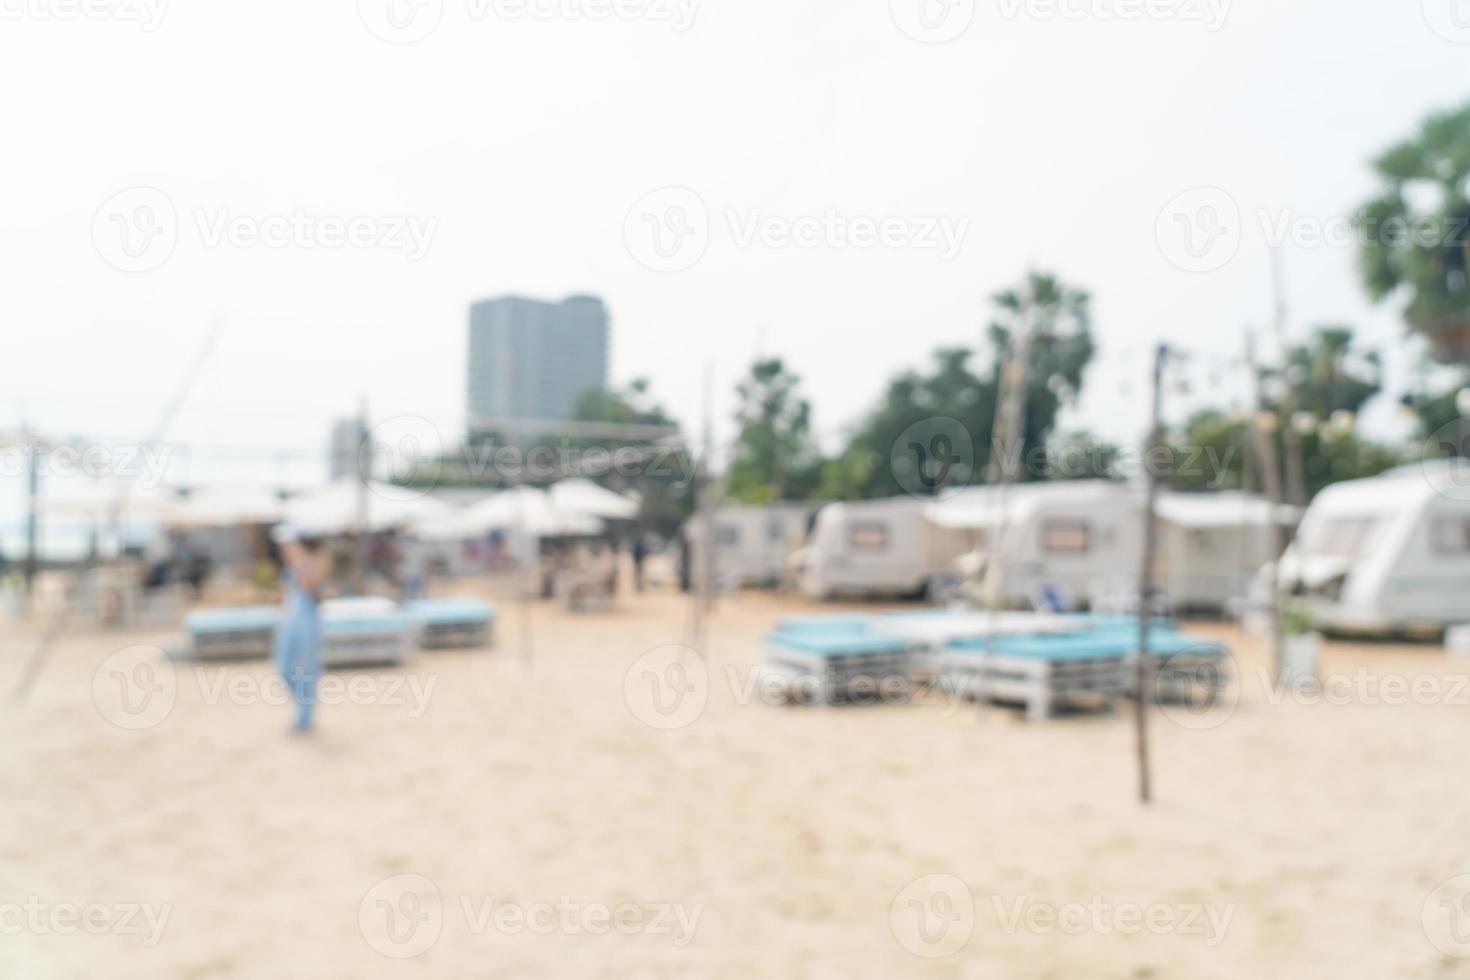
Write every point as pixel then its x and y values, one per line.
pixel 533 360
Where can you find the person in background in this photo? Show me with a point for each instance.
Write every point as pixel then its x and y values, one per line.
pixel 297 653
pixel 640 552
pixel 412 571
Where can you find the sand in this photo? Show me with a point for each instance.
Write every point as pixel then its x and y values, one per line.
pixel 1292 839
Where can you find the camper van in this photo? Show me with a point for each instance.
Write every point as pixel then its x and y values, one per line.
pixel 1060 545
pixel 1388 553
pixel 1212 546
pixel 878 548
pixel 752 543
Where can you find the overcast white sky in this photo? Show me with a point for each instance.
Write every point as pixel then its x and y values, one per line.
pixel 523 143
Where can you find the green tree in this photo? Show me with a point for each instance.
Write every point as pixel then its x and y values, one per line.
pixel 1082 455
pixel 1054 323
pixel 1329 376
pixel 1210 452
pixel 1061 348
pixel 1330 383
pixel 1416 233
pixel 776 457
pixel 660 470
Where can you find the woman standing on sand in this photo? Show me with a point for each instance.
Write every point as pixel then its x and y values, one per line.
pixel 297 655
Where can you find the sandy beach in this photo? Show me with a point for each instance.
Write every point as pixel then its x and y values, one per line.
pixel 499 819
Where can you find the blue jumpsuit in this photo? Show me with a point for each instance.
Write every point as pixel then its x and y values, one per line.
pixel 297 655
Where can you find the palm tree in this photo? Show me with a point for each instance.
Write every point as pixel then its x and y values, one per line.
pixel 1047 325
pixel 1416 233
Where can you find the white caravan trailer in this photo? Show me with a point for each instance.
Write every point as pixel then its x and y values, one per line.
pixel 878 547
pixel 1069 542
pixel 1388 553
pixel 752 543
pixel 1213 545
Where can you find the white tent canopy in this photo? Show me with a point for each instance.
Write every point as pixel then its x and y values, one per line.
pixel 586 497
pixel 333 509
pixel 101 500
pixel 523 508
pixel 228 505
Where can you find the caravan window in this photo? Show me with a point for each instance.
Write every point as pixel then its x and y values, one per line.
pixel 1451 535
pixel 775 530
pixel 1343 537
pixel 867 536
pixel 1067 537
pixel 727 535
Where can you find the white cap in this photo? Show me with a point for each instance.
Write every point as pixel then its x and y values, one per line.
pixel 286 533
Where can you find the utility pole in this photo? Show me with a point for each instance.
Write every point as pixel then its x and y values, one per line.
pixel 1296 483
pixel 1269 468
pixel 33 518
pixel 704 572
pixel 364 474
pixel 1005 451
pixel 1143 663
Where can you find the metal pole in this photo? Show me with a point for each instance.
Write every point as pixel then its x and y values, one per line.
pixel 1270 469
pixel 364 474
pixel 1296 483
pixel 33 496
pixel 705 570
pixel 1145 581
